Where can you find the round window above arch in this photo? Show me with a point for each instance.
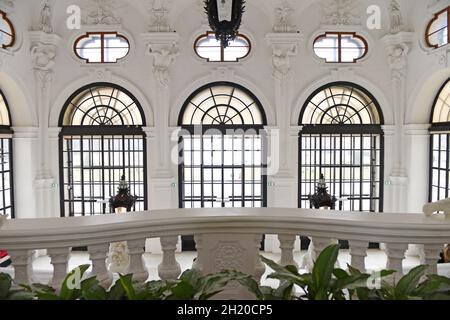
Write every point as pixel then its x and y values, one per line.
pixel 102 47
pixel 437 34
pixel 340 47
pixel 207 47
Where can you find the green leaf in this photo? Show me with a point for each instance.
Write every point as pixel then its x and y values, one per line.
pixel 21 295
pixel 409 282
pixel 5 285
pixel 323 268
pixel 91 290
pixel 183 291
pixel 70 287
pixel 116 292
pixel 127 285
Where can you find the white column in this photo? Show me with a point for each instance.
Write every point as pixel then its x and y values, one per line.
pixel 397 48
pixel 43 53
pixel 59 259
pixel 24 148
pixel 169 268
pixel 98 254
pixel 319 245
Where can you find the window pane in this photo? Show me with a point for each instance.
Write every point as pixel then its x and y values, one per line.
pixel 207 47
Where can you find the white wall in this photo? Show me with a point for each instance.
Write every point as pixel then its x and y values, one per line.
pixel 426 72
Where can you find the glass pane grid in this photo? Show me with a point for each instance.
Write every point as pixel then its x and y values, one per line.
pixel 352 173
pixel 93 167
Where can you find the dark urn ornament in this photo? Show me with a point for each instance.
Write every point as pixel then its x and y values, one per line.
pixel 123 200
pixel 321 199
pixel 225 17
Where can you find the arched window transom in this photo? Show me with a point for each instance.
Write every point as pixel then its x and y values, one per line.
pixel 222 104
pixel 340 104
pixel 103 106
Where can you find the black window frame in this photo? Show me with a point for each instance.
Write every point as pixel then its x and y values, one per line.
pixel 438 130
pixel 7 132
pixel 341 130
pixel 105 132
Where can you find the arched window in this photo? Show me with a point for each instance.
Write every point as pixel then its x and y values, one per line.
pixel 102 47
pixel 342 139
pixel 6 161
pixel 340 47
pixel 440 146
pixel 207 47
pixel 437 31
pixel 102 138
pixel 222 148
pixel 7 33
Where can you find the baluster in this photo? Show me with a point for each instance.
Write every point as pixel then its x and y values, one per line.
pixel 59 259
pixel 260 267
pixel 395 254
pixel 23 268
pixel 98 254
pixel 432 256
pixel 137 266
pixel 169 269
pixel 287 243
pixel 319 244
pixel 358 254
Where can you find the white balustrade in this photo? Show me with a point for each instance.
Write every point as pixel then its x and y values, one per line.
pixel 225 238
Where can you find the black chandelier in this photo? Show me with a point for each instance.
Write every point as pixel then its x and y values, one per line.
pixel 225 17
pixel 321 199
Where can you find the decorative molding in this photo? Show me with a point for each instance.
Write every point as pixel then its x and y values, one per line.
pixel 100 12
pixel 223 73
pixel 45 19
pixel 159 12
pixel 228 256
pixel 397 48
pixel 284 46
pixel 341 12
pixel 397 24
pixel 7 5
pixel 163 47
pixel 283 21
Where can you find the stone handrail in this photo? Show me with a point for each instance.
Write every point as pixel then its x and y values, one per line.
pixel 226 238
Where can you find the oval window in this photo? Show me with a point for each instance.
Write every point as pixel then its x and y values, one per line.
pixel 102 47
pixel 7 35
pixel 207 47
pixel 437 30
pixel 340 47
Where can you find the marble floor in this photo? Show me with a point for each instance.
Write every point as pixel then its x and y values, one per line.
pixel 376 260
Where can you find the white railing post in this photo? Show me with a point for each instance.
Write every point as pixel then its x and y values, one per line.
pixel 23 268
pixel 98 254
pixel 395 254
pixel 287 242
pixel 59 258
pixel 137 266
pixel 432 256
pixel 358 254
pixel 169 268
